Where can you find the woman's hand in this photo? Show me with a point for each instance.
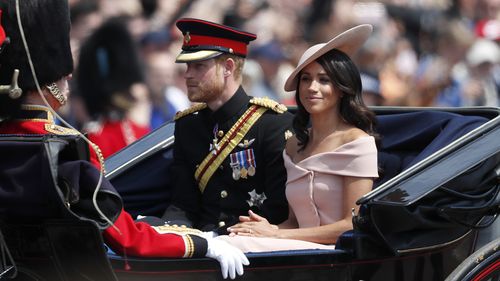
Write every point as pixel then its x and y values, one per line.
pixel 252 217
pixel 253 225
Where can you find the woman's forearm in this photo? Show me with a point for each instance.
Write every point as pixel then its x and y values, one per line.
pixel 326 234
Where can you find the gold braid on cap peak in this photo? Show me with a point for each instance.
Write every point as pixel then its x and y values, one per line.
pixel 196 107
pixel 269 103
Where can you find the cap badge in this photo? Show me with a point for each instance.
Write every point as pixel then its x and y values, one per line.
pixel 187 38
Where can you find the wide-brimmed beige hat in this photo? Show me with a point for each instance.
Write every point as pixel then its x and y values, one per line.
pixel 348 42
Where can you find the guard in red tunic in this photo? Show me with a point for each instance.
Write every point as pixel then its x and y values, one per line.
pixel 23 110
pixel 110 80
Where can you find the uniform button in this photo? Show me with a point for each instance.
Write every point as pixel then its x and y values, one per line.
pixel 221 224
pixel 221 167
pixel 223 194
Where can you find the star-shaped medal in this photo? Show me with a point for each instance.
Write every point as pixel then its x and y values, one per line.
pixel 256 199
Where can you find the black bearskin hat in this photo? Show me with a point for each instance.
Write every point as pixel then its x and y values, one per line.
pixel 46 25
pixel 108 66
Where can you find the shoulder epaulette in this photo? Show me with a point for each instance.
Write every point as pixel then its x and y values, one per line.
pixel 269 103
pixel 58 130
pixel 196 107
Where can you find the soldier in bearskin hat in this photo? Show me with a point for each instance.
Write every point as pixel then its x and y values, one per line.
pixel 46 25
pixel 110 80
pixel 54 63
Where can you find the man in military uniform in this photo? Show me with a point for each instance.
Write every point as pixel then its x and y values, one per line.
pixel 228 146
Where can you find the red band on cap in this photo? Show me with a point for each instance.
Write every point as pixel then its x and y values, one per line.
pixel 197 40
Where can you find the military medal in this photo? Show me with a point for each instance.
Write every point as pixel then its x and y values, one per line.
pixel 242 160
pixel 244 173
pixel 235 165
pixel 251 162
pixel 214 146
pixel 243 164
pixel 236 174
pixel 256 199
pixel 251 171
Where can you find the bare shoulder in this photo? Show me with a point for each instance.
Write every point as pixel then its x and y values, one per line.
pixel 353 134
pixel 292 145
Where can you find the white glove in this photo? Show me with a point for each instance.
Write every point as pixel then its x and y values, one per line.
pixel 209 234
pixel 231 259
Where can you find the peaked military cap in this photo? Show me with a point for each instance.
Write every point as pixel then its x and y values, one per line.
pixel 205 40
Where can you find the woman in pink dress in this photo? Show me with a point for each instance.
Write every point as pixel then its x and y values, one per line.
pixel 332 159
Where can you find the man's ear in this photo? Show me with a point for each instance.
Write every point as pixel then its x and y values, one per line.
pixel 229 66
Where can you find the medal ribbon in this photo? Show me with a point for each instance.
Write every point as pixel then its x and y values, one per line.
pixel 250 157
pixel 242 159
pixel 230 140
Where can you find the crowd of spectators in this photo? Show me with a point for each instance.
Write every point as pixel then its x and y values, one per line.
pixel 422 52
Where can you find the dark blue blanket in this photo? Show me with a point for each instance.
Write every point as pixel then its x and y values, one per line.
pixel 408 138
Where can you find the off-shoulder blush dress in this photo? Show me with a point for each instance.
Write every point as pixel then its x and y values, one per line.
pixel 315 192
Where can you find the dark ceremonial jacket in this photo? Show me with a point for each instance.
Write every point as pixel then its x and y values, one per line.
pixel 132 238
pixel 232 190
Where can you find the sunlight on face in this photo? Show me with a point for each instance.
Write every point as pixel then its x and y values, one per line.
pixel 316 90
pixel 204 81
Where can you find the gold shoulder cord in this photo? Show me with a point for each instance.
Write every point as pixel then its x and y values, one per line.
pixel 269 103
pixel 195 108
pixel 230 140
pixel 100 157
pixel 59 130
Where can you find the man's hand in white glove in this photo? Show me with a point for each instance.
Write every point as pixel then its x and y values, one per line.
pixel 209 234
pixel 231 259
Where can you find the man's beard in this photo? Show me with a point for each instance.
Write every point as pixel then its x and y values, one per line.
pixel 207 92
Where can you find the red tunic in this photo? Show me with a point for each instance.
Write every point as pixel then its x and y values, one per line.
pixel 133 238
pixel 112 136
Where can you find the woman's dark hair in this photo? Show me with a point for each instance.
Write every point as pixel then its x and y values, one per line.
pixel 346 78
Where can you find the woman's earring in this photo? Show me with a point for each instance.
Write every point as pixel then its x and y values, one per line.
pixel 54 90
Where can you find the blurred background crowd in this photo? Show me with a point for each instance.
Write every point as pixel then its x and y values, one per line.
pixel 422 53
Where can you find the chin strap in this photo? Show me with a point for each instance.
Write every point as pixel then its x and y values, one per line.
pixel 54 91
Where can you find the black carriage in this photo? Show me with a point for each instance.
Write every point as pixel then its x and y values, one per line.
pixel 433 207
